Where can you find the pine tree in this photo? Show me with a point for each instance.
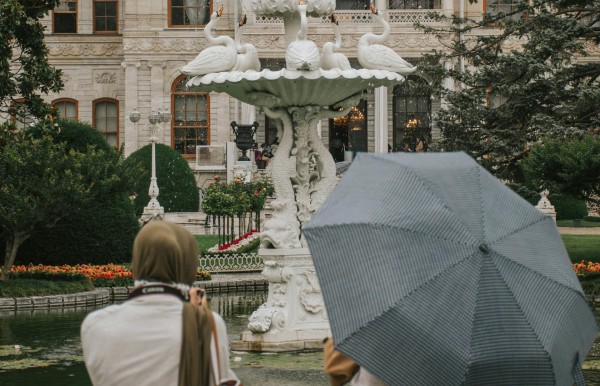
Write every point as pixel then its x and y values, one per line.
pixel 528 74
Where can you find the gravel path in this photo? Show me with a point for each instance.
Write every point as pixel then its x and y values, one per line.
pixel 580 231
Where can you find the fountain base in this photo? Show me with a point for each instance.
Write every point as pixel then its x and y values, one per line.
pixel 294 317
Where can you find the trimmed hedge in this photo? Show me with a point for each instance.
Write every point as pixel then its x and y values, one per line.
pixel 568 207
pixel 592 218
pixel 28 287
pixel 178 191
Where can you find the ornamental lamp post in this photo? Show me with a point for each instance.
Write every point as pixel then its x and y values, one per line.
pixel 152 211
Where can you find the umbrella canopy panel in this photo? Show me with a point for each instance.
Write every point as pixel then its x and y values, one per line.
pixel 434 272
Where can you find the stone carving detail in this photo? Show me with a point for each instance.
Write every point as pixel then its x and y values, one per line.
pixel 279 295
pixel 310 292
pixel 264 317
pixel 83 49
pixel 106 78
pixel 544 203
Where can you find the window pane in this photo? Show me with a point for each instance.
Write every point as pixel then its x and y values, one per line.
pixel 100 8
pixel 111 8
pixel 65 22
pixel 190 112
pixel 111 139
pixel 111 24
pixel 190 12
pixel 111 109
pixel 100 24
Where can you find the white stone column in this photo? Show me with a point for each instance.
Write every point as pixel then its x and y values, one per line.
pixel 448 7
pixel 448 84
pixel 157 81
pixel 248 114
pixel 381 120
pixel 131 100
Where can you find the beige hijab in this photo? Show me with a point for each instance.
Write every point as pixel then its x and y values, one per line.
pixel 167 253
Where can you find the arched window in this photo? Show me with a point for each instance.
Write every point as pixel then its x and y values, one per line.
pixel 412 113
pixel 191 118
pixel 189 13
pixel 66 108
pixel 106 119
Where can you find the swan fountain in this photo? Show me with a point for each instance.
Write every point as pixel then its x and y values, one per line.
pixel 330 58
pixel 221 55
pixel 378 56
pixel 313 86
pixel 247 58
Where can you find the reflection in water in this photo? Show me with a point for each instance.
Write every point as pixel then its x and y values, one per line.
pixel 50 352
pixel 51 349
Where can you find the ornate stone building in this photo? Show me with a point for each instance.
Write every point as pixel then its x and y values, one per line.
pixel 121 55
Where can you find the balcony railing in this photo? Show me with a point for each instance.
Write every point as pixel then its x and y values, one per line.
pixel 394 16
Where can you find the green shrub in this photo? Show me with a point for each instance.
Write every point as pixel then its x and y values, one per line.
pixel 49 276
pixel 568 207
pixel 528 194
pixel 101 233
pixel 176 183
pixel 98 233
pixel 78 135
pixel 592 218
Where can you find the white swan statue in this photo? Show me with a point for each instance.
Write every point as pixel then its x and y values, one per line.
pixel 377 56
pixel 220 56
pixel 247 57
pixel 329 57
pixel 302 54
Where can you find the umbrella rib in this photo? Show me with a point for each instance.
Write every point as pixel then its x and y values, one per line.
pixel 425 186
pixel 520 229
pixel 540 275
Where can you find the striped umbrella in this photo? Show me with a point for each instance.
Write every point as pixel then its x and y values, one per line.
pixel 433 272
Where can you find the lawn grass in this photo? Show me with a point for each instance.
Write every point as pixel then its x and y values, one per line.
pixel 16 288
pixel 206 241
pixel 582 247
pixel 582 224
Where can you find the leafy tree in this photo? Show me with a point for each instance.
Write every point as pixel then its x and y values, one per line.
pixel 569 167
pixel 102 230
pixel 522 80
pixel 41 182
pixel 177 187
pixel 24 68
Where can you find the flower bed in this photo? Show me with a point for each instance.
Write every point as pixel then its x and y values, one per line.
pixel 236 244
pixel 582 268
pixel 110 275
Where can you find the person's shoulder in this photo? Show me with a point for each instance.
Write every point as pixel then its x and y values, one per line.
pixel 98 316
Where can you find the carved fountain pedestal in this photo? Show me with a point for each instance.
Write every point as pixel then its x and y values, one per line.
pixel 294 316
pixel 302 169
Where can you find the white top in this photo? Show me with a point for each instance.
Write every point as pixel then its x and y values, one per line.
pixel 365 378
pixel 138 343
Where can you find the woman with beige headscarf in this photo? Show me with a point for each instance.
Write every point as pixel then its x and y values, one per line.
pixel 165 334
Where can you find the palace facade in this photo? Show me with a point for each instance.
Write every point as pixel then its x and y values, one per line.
pixel 118 56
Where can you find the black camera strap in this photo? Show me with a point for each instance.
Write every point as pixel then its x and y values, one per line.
pixel 156 289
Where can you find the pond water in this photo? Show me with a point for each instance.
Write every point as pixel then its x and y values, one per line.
pixel 50 348
pixel 51 355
